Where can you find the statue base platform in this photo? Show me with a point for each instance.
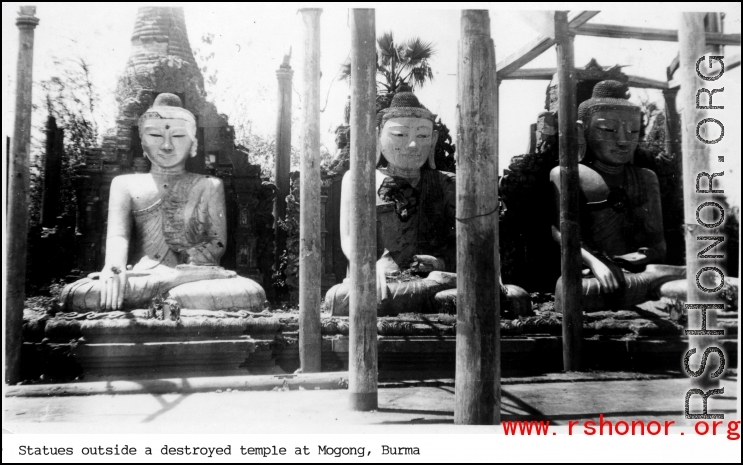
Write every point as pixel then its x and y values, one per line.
pixel 164 359
pixel 200 343
pixel 126 345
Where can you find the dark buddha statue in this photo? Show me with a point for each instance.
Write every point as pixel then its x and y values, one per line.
pixel 621 223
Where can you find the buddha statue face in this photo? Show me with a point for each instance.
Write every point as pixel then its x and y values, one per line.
pixel 167 142
pixel 612 135
pixel 407 142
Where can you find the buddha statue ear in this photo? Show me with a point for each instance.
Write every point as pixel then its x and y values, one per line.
pixel 432 154
pixel 581 139
pixel 194 147
pixel 144 150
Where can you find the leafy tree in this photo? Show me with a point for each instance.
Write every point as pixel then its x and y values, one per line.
pixel 399 63
pixel 72 99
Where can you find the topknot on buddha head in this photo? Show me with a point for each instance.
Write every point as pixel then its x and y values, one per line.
pixel 169 106
pixel 607 95
pixel 609 125
pixel 404 105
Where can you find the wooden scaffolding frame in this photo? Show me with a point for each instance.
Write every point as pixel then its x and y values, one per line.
pixel 565 29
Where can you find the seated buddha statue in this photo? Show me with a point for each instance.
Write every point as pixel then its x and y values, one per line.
pixel 621 223
pixel 167 230
pixel 416 206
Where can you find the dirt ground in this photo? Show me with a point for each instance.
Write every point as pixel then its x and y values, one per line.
pixel 419 409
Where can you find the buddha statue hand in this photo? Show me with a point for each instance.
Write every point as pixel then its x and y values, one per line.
pixel 427 264
pixel 113 287
pixel 383 292
pixel 385 266
pixel 609 275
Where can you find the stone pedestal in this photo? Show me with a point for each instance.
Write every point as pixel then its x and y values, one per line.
pixel 201 343
pixel 164 359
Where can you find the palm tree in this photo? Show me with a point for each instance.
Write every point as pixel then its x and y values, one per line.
pixel 397 64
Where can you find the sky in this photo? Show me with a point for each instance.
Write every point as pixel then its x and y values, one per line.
pixel 250 41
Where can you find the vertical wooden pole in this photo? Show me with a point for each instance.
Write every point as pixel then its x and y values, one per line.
pixel 572 312
pixel 282 163
pixel 696 159
pixel 499 281
pixel 362 350
pixel 478 304
pixel 18 187
pixel 310 248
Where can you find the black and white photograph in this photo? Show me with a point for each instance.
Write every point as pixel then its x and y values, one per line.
pixel 371 232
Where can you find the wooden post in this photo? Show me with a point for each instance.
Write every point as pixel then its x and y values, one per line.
pixel 696 159
pixel 476 399
pixel 52 173
pixel 18 187
pixel 282 163
pixel 362 349
pixel 572 312
pixel 310 247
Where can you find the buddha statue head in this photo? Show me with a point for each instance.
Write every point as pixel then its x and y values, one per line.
pixel 609 125
pixel 405 134
pixel 168 132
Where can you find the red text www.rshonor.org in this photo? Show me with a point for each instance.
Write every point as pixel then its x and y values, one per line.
pixel 604 427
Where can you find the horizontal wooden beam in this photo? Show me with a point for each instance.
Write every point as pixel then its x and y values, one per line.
pixel 538 46
pixel 646 83
pixel 524 56
pixel 579 18
pixel 647 33
pixel 530 74
pixel 546 74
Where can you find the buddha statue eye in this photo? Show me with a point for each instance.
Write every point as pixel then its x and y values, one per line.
pixel 607 129
pixel 423 136
pixel 154 135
